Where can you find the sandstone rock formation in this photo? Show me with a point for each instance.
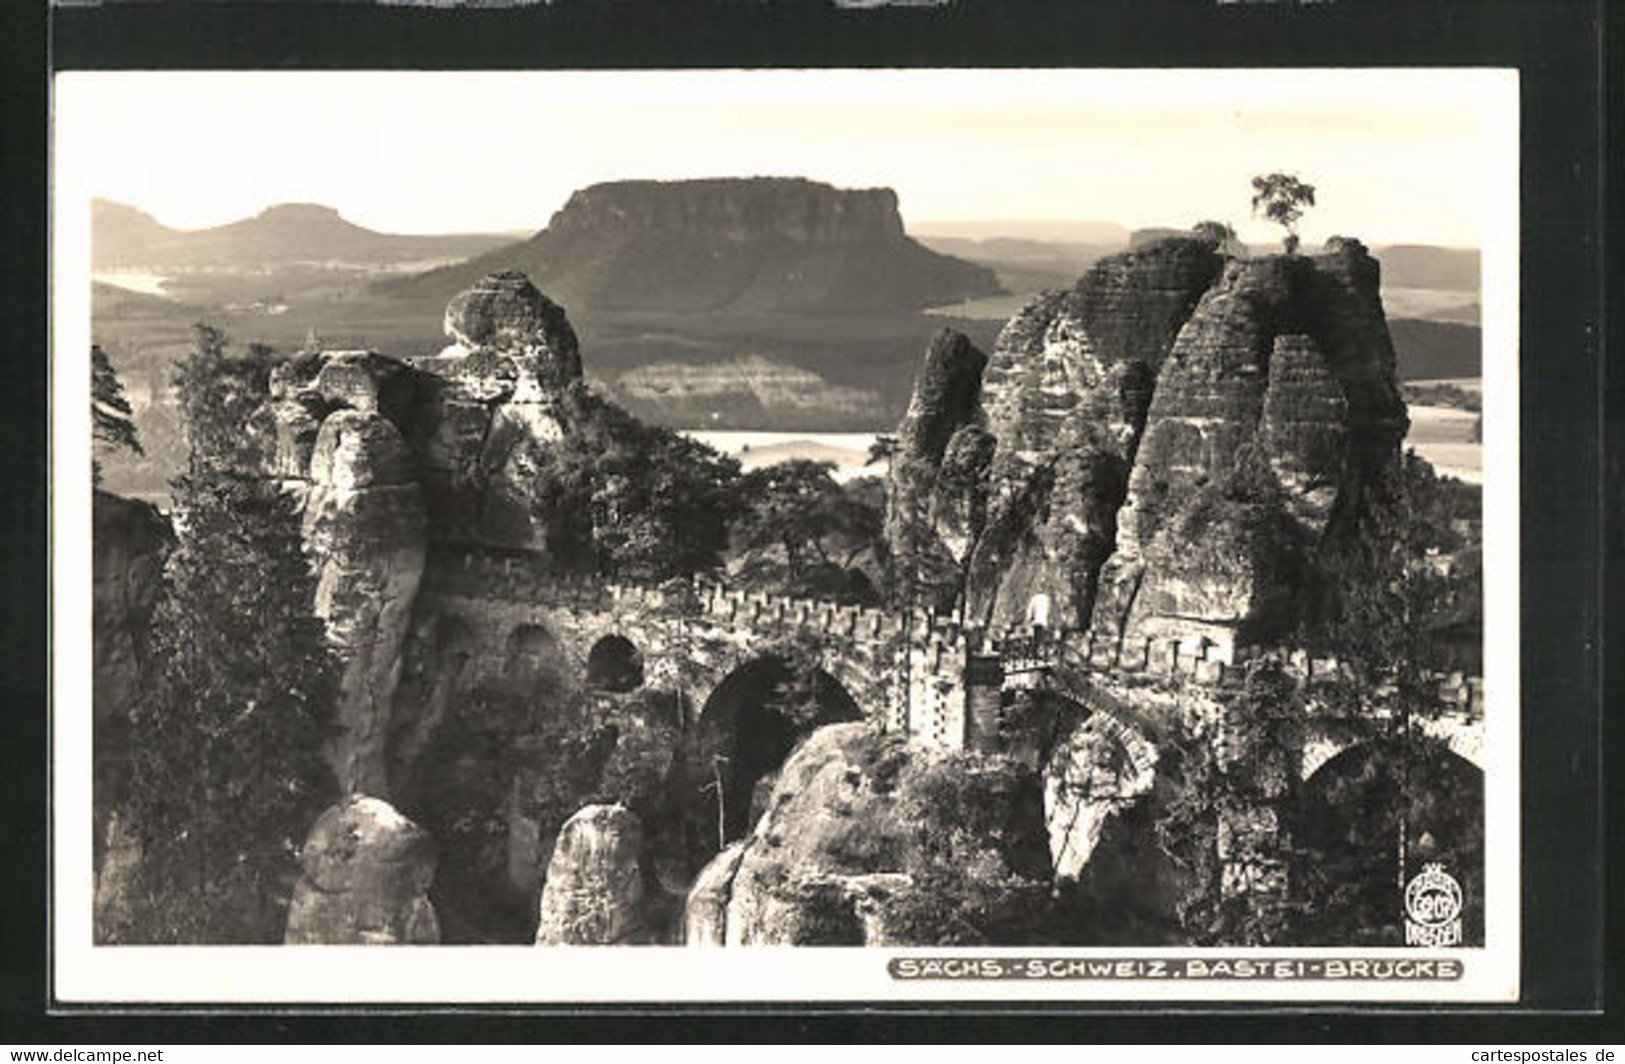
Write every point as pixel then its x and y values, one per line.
pixel 870 841
pixel 388 458
pixel 367 871
pixel 128 542
pixel 325 432
pixel 1276 408
pixel 725 244
pixel 1066 393
pixel 491 407
pixel 934 497
pixel 1168 442
pixel 363 523
pixel 596 893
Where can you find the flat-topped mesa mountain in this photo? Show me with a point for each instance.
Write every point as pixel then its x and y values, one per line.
pixel 124 237
pixel 1157 451
pixel 735 245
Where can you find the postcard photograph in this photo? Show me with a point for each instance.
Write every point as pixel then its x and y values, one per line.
pixel 787 535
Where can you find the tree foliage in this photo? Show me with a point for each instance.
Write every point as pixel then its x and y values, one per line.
pixel 1239 770
pixel 112 423
pixel 1281 198
pixel 226 771
pixel 640 500
pixel 1406 573
pixel 805 531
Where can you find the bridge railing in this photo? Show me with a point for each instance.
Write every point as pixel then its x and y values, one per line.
pixel 528 577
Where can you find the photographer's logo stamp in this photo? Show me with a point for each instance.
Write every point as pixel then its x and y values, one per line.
pixel 1433 908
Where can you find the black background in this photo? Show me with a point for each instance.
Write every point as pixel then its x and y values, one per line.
pixel 1567 462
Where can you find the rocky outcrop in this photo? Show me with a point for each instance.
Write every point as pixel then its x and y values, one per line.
pixel 1095 774
pixel 504 312
pixel 388 457
pixel 1276 408
pixel 1170 441
pixel 328 433
pixel 1065 395
pixel 129 540
pixel 705 912
pixel 128 543
pixel 596 893
pixel 367 871
pixel 757 245
pixel 934 496
pixel 490 409
pixel 363 524
pixel 868 840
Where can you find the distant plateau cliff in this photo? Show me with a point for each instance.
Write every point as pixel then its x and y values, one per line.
pixel 740 245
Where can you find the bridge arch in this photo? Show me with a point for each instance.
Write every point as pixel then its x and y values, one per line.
pixel 1097 772
pixel 614 664
pixel 745 730
pixel 1367 805
pixel 532 653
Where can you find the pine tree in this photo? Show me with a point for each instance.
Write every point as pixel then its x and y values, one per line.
pixel 226 770
pixel 111 420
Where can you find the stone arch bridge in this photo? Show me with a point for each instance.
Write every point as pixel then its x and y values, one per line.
pixel 924 675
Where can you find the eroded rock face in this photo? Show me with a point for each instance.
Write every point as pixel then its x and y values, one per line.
pixel 505 312
pixel 367 871
pixel 1092 776
pixel 596 892
pixel 934 492
pixel 363 525
pixel 870 841
pixel 1066 394
pixel 491 407
pixel 129 540
pixel 1276 407
pixel 705 913
pixel 387 457
pixel 1168 444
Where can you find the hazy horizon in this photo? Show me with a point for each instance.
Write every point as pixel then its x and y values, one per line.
pixel 1395 155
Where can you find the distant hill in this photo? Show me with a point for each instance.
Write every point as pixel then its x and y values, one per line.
pixel 1426 266
pixel 1434 350
pixel 1044 230
pixel 722 245
pixel 123 237
pixel 1021 264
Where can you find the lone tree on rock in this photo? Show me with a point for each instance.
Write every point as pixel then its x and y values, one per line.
pixel 1281 198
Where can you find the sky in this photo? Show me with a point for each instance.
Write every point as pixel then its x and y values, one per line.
pixel 1396 156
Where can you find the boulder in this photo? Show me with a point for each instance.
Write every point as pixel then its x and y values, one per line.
pixel 705 913
pixel 366 875
pixel 504 312
pixel 596 892
pixel 868 840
